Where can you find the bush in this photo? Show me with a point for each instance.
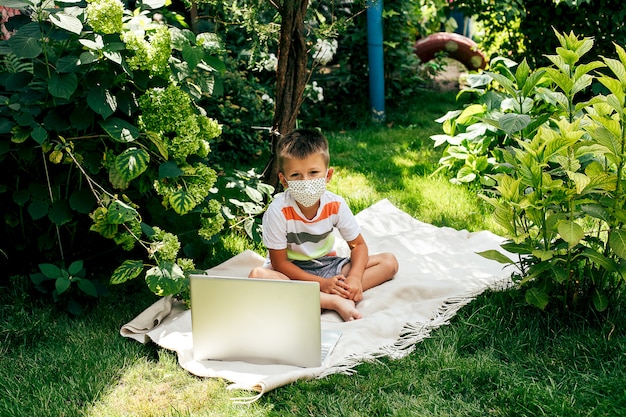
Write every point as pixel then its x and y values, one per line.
pixel 558 171
pixel 103 142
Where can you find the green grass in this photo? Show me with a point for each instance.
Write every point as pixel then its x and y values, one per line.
pixel 498 357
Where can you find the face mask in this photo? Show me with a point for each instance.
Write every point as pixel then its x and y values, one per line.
pixel 307 192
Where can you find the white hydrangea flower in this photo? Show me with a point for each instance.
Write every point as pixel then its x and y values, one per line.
pixel 314 92
pixel 139 25
pixel 268 62
pixel 267 98
pixel 324 50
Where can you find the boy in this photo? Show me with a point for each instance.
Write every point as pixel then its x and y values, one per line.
pixel 298 225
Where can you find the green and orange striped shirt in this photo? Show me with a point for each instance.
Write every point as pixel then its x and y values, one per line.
pixel 285 227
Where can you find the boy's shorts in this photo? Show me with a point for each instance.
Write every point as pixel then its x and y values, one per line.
pixel 325 267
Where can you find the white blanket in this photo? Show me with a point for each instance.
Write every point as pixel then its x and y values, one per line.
pixel 439 273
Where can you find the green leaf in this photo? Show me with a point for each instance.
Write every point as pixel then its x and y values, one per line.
pixel 59 213
pixel 132 163
pixel 102 101
pixel 495 255
pixel 508 85
pixel 580 180
pixel 62 284
pixel 170 169
pixel 543 255
pixel 120 212
pixel 40 134
pixel 37 278
pixel 519 248
pixel 617 242
pixel 120 130
pixel 25 46
pixel 522 72
pixel 67 64
pixel 62 85
pixel 157 141
pixel 560 274
pixel 562 80
pixel 182 202
pixel 571 232
pixel 214 62
pixel 69 23
pixel 128 270
pixel 193 56
pixel 596 211
pixel 20 197
pixel 87 287
pixel 600 300
pixel 38 209
pixel 75 267
pixel 513 122
pixel 166 279
pixel 50 270
pixel 253 194
pixel 470 113
pixel 116 178
pixel 600 260
pixel 537 298
pixel 82 201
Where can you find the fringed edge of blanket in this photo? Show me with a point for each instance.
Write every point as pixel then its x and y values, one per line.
pixel 413 333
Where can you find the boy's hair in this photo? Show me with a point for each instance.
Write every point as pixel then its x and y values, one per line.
pixel 301 143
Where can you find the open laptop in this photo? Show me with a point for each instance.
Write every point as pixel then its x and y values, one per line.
pixel 258 320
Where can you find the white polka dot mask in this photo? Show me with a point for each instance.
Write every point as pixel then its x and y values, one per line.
pixel 307 192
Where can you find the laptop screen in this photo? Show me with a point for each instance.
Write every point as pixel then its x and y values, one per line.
pixel 256 320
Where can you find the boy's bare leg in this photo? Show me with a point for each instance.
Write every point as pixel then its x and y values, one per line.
pixel 379 268
pixel 344 307
pixel 260 272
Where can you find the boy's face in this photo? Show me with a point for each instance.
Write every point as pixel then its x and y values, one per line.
pixel 308 168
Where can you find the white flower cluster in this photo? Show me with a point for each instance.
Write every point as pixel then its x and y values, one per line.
pixel 324 50
pixel 267 98
pixel 268 62
pixel 314 92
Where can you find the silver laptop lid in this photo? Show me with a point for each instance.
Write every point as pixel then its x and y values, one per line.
pixel 256 320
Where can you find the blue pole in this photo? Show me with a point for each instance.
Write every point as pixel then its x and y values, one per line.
pixel 375 58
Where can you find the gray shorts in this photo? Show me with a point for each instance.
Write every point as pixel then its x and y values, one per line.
pixel 325 267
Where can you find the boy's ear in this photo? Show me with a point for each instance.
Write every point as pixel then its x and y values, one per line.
pixel 329 176
pixel 282 180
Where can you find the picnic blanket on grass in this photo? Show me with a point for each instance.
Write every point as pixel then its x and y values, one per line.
pixel 439 273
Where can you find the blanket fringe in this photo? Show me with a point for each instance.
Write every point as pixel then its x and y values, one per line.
pixel 413 333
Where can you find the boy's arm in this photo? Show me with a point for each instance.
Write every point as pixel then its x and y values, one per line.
pixel 359 254
pixel 282 264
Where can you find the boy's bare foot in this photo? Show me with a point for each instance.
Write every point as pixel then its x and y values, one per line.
pixel 346 309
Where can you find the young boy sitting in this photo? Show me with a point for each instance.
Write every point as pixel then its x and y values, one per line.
pixel 298 229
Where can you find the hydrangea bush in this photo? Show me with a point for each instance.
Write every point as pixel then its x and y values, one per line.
pixel 101 135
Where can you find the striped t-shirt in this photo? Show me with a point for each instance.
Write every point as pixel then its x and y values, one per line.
pixel 285 227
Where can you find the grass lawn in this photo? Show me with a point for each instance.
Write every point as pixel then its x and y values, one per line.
pixel 498 356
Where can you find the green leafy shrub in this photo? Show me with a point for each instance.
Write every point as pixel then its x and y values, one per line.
pixel 505 106
pixel 101 132
pixel 559 193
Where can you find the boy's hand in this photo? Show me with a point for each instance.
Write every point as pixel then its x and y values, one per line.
pixel 335 285
pixel 355 289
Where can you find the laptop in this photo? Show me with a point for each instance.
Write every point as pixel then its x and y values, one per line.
pixel 260 321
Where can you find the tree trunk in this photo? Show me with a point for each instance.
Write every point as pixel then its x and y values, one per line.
pixel 291 77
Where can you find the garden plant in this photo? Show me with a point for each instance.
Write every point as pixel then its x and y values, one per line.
pixel 555 155
pixel 105 137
